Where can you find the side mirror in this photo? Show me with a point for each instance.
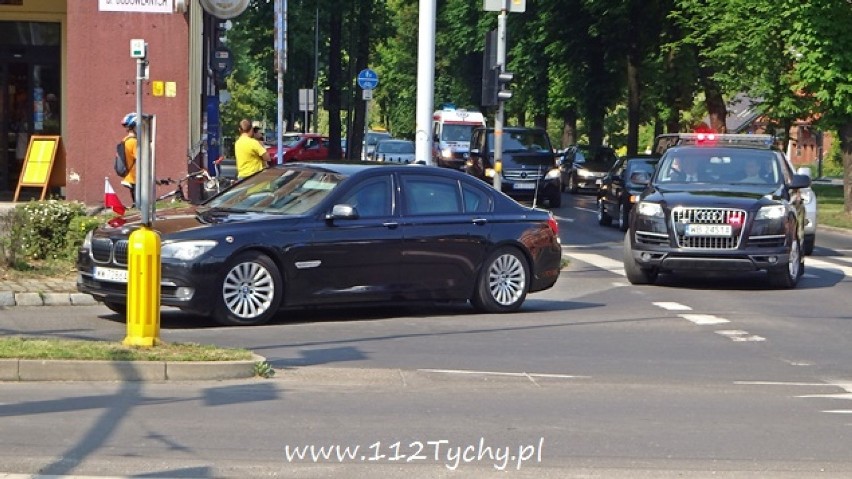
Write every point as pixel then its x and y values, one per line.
pixel 342 211
pixel 640 178
pixel 800 181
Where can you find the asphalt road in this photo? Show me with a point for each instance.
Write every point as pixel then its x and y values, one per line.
pixel 694 377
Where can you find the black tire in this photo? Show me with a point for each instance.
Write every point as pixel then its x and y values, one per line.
pixel 555 200
pixel 572 184
pixel 250 291
pixel 787 276
pixel 808 244
pixel 634 273
pixel 623 217
pixel 604 219
pixel 118 308
pixel 503 282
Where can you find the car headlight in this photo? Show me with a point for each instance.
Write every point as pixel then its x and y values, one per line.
pixel 186 250
pixel 771 212
pixel 553 174
pixel 583 173
pixel 87 241
pixel 650 209
pixel 490 172
pixel 447 153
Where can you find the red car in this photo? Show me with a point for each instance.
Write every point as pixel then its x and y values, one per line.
pixel 301 147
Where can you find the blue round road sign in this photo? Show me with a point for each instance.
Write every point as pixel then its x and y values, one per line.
pixel 368 79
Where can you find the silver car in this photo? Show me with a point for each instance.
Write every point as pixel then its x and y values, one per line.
pixel 810 200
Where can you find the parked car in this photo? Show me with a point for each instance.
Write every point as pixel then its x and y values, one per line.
pixel 314 234
pixel 371 138
pixel 704 210
pixel 584 167
pixel 301 147
pixel 620 189
pixel 528 168
pixel 394 151
pixel 809 198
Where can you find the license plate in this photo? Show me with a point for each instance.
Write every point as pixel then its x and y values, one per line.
pixel 708 230
pixel 599 181
pixel 111 275
pixel 524 186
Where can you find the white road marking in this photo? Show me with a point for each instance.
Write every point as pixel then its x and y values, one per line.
pixel 620 284
pixel 703 319
pixel 599 261
pixel 740 336
pixel 811 261
pixel 672 306
pixel 499 373
pixel 588 210
pixel 839 411
pixel 560 218
pixel 781 383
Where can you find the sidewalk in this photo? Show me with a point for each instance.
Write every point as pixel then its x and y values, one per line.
pixel 42 292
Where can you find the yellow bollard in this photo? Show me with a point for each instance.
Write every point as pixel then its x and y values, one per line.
pixel 143 288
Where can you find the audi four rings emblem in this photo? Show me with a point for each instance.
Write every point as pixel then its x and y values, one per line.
pixel 708 216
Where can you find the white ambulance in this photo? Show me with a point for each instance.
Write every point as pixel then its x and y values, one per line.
pixel 451 130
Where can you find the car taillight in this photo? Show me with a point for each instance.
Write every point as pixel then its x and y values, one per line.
pixel 554 226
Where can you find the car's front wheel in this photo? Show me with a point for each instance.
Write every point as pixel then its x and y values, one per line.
pixel 787 276
pixel 636 274
pixel 250 291
pixel 623 217
pixel 604 219
pixel 572 184
pixel 503 282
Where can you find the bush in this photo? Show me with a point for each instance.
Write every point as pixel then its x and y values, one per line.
pixel 39 230
pixel 77 230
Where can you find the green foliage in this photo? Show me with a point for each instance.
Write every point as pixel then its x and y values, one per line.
pixel 40 229
pixel 78 227
pixel 263 369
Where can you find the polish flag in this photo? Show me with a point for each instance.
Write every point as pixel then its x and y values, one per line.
pixel 111 199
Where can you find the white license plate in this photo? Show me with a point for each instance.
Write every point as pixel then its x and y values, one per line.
pixel 708 230
pixel 524 186
pixel 599 181
pixel 111 274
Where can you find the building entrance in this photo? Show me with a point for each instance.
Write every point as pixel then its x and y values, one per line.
pixel 30 85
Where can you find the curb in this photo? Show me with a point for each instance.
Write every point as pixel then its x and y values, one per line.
pixel 75 370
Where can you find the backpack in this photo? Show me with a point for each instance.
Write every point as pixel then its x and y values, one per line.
pixel 120 160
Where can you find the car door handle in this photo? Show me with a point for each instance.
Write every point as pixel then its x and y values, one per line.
pixel 390 224
pixel 479 221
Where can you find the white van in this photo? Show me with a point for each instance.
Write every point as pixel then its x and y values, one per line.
pixel 451 130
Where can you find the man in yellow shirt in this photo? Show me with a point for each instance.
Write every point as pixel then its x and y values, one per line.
pixel 250 153
pixel 129 180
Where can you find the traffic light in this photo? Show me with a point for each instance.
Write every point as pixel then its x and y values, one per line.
pixel 503 80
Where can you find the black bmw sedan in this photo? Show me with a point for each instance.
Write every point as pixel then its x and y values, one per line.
pixel 322 234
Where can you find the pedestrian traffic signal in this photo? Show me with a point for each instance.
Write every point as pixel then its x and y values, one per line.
pixel 503 80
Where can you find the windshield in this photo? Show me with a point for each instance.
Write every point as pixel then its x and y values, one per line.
pixel 399 147
pixel 290 141
pixel 720 166
pixel 525 140
pixel 291 191
pixel 457 132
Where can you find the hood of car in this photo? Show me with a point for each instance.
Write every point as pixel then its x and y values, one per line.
pixel 714 196
pixel 528 160
pixel 189 221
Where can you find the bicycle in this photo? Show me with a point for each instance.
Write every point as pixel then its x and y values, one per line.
pixel 178 194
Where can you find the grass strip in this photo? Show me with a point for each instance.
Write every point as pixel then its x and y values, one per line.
pixel 49 348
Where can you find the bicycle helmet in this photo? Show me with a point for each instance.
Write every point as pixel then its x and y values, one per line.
pixel 129 120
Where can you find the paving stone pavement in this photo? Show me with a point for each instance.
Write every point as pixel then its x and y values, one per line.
pixel 42 292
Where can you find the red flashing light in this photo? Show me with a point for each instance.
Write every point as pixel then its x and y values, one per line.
pixel 706 137
pixel 735 219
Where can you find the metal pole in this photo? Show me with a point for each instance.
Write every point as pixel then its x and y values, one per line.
pixel 425 82
pixel 280 68
pixel 139 199
pixel 316 73
pixel 498 117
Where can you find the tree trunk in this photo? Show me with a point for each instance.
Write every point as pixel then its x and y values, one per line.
pixel 569 128
pixel 716 108
pixel 334 68
pixel 634 98
pixel 846 151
